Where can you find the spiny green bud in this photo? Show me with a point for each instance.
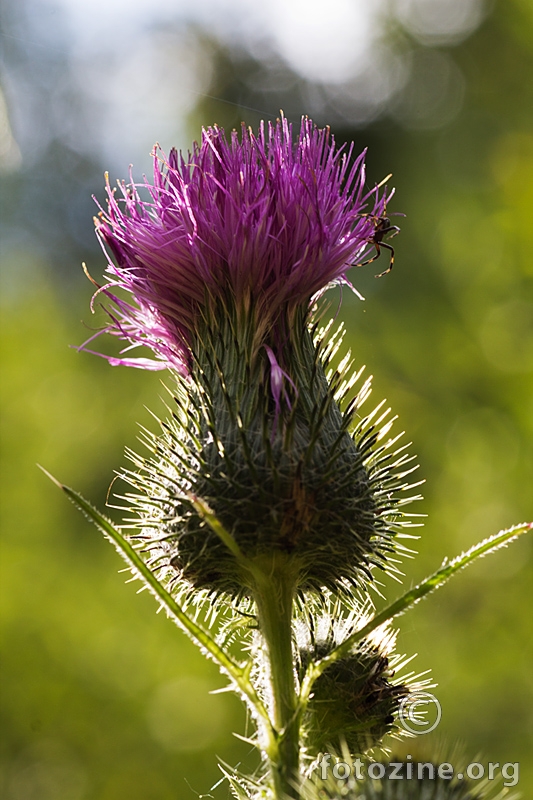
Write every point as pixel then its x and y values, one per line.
pixel 355 700
pixel 292 473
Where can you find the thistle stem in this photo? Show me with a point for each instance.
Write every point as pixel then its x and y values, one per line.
pixel 274 597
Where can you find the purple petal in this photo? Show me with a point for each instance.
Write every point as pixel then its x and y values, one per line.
pixel 270 221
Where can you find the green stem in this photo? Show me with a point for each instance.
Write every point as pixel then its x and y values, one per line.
pixel 274 597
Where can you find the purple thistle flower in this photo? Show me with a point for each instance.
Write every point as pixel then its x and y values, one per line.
pixel 223 260
pixel 262 223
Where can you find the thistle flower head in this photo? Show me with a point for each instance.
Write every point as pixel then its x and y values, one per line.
pixel 224 260
pixel 260 223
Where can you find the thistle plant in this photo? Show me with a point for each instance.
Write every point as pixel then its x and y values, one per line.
pixel 270 497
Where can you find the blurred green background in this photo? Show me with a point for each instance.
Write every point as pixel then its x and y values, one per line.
pixel 101 698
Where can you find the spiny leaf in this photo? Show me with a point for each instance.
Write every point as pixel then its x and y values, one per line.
pixel 411 597
pixel 237 673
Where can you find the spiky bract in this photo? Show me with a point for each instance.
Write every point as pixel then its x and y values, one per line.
pixel 354 701
pixel 292 481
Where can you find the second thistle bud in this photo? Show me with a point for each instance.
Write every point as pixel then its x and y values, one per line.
pixel 355 700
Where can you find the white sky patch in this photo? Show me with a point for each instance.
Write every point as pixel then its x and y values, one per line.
pixel 440 21
pixel 146 92
pixel 326 42
pixel 140 64
pixel 323 41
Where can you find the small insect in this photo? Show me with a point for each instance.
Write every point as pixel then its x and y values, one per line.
pixel 382 227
